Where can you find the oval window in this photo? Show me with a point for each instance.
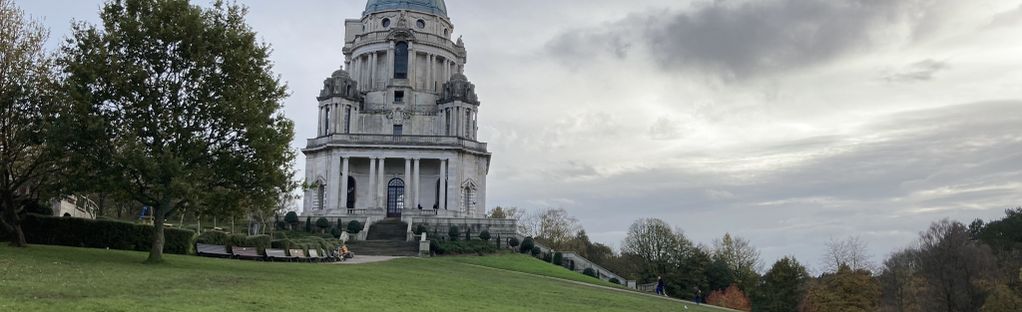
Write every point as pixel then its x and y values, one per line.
pixel 421 24
pixel 386 23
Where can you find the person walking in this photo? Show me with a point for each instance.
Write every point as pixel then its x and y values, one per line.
pixel 660 286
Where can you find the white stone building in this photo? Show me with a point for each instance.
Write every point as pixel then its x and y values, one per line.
pixel 397 128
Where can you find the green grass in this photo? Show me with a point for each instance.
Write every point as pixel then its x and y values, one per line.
pixel 529 264
pixel 49 278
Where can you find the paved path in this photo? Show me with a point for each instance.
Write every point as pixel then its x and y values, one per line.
pixel 366 259
pixel 625 290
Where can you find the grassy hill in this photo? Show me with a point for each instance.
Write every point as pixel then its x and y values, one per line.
pixel 48 278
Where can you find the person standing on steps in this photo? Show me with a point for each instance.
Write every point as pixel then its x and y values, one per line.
pixel 660 286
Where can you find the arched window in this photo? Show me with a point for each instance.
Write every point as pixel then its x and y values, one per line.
pixel 401 60
pixel 347 119
pixel 351 193
pixel 395 197
pixel 320 196
pixel 326 120
pixel 470 198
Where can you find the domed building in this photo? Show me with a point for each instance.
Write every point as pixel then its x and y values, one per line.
pixel 397 125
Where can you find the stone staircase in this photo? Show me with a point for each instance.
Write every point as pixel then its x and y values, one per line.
pixel 386 238
pixel 384 248
pixel 388 229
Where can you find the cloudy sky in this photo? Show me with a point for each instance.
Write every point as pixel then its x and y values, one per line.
pixel 788 122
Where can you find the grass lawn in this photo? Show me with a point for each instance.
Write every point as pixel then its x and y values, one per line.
pixel 49 278
pixel 529 264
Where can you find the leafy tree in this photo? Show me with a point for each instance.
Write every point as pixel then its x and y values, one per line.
pixel 782 287
pixel 846 290
pixel 484 235
pixel 291 218
pixel 322 224
pixel 719 274
pixel 732 297
pixel 653 241
pixel 179 104
pixel 30 167
pixel 1004 234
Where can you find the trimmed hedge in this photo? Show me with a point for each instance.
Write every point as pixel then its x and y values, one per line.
pixel 462 247
pixel 558 258
pixel 88 233
pixel 615 280
pixel 527 245
pixel 354 227
pixel 213 238
pixel 590 272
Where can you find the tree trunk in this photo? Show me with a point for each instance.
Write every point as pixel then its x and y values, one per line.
pixel 156 250
pixel 19 236
pixel 11 222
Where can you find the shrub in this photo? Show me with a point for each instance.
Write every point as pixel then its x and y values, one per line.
pixel 335 232
pixel 322 223
pixel 732 297
pixel 615 280
pixel 536 251
pixel 260 242
pixel 547 258
pixel 419 229
pixel 513 242
pixel 468 233
pixel 308 224
pixel 354 227
pixel 558 258
pixel 527 245
pixel 32 206
pixel 484 235
pixel 453 232
pixel 461 247
pixel 589 272
pixel 281 225
pixel 281 244
pixel 291 218
pixel 75 232
pixel 212 238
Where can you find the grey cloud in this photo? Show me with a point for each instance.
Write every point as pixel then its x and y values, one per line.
pixel 924 70
pixel 741 39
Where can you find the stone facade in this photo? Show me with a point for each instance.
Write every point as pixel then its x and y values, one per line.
pixel 397 125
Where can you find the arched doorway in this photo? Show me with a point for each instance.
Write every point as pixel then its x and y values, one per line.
pixel 351 193
pixel 395 198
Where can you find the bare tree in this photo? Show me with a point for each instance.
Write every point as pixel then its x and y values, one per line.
pixel 741 258
pixel 557 228
pixel 954 266
pixel 850 251
pixel 898 282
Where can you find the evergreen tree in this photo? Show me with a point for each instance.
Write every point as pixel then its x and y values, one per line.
pixel 782 287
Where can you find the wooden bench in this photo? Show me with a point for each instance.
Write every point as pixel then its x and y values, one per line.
pixel 246 253
pixel 298 254
pixel 207 250
pixel 278 255
pixel 314 255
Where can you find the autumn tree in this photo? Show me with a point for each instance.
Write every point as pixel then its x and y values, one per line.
pixel 186 104
pixel 846 290
pixel 782 287
pixel 556 228
pixel 732 297
pixel 29 102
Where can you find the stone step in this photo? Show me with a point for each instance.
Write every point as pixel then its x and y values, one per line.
pixel 388 230
pixel 384 248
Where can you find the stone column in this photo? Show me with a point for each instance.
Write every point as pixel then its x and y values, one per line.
pixel 408 181
pixel 372 71
pixel 344 185
pixel 416 178
pixel 333 182
pixel 381 183
pixel 371 190
pixel 429 72
pixel 411 65
pixel 389 74
pixel 443 184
